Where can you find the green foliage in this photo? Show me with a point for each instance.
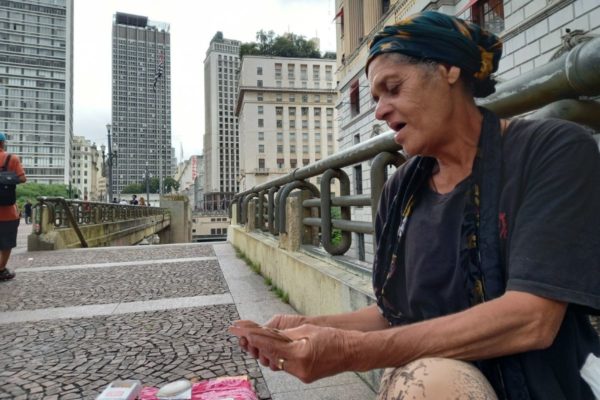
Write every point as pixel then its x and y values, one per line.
pixel 133 188
pixel 31 191
pixel 287 45
pixel 170 184
pixel 330 55
pixel 336 234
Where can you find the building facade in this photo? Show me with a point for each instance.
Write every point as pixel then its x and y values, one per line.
pixel 532 32
pixel 36 85
pixel 85 161
pixel 221 137
pixel 141 99
pixel 287 116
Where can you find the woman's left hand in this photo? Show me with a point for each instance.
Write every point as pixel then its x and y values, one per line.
pixel 315 352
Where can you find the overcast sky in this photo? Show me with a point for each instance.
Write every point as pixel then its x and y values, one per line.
pixel 193 24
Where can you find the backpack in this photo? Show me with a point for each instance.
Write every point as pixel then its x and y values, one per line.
pixel 8 185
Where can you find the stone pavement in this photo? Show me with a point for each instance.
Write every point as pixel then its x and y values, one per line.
pixel 74 320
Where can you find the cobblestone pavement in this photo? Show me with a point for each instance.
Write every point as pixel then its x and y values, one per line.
pixel 83 286
pixel 75 358
pixel 107 255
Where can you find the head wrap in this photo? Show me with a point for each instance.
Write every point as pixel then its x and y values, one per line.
pixel 2 137
pixel 442 38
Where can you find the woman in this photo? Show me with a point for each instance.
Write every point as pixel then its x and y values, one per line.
pixel 487 263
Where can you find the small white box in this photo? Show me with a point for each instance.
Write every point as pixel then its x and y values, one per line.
pixel 121 390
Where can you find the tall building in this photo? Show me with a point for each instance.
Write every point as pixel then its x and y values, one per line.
pixel 36 85
pixel 531 32
pixel 85 160
pixel 287 116
pixel 221 138
pixel 141 99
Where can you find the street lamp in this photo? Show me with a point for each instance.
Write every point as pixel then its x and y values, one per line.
pixel 147 178
pixel 108 160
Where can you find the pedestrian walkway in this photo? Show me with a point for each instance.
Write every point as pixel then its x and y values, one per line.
pixel 74 320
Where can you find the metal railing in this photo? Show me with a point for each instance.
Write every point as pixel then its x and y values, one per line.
pixel 65 213
pixel 574 74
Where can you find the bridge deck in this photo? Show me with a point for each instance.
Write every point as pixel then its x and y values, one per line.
pixel 74 320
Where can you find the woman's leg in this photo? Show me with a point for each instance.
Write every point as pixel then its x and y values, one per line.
pixel 435 379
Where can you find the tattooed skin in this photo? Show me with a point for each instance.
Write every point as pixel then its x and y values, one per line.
pixel 436 379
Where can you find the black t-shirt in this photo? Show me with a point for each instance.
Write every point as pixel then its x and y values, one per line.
pixel 549 227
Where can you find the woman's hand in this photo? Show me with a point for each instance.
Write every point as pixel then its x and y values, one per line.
pixel 286 321
pixel 315 352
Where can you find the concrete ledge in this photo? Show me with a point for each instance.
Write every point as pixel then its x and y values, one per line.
pixel 315 285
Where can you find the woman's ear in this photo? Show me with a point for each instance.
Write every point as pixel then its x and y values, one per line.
pixel 453 74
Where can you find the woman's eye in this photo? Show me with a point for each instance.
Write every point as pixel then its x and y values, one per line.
pixel 394 89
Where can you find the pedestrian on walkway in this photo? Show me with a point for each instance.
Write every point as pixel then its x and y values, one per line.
pixel 27 208
pixel 133 201
pixel 9 214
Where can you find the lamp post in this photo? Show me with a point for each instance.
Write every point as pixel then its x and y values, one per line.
pixel 147 177
pixel 108 160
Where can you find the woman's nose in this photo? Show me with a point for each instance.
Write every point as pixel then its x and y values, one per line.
pixel 381 109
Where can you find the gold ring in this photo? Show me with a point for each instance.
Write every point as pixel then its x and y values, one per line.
pixel 280 363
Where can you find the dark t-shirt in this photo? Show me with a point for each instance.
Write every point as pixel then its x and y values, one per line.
pixel 549 228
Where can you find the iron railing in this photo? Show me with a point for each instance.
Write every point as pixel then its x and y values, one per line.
pixel 574 74
pixel 65 213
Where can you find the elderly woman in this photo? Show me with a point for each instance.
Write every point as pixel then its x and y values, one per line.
pixel 488 259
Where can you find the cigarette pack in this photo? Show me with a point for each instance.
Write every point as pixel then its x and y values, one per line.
pixel 121 390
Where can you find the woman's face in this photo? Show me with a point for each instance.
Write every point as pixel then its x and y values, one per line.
pixel 415 102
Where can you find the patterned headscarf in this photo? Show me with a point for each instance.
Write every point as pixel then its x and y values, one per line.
pixel 442 38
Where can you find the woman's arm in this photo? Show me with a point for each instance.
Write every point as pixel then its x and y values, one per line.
pixel 513 323
pixel 365 319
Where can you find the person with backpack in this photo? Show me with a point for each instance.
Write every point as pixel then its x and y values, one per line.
pixel 11 171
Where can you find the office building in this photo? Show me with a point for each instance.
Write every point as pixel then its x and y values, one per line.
pixel 141 99
pixel 85 162
pixel 287 116
pixel 36 85
pixel 221 138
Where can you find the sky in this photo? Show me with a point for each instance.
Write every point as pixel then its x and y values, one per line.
pixel 193 24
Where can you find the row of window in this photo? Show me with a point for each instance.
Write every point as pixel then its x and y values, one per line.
pixel 292 97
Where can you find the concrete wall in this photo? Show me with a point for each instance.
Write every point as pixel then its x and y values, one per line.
pixel 180 230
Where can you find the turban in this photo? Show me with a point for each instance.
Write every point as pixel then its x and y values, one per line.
pixel 442 38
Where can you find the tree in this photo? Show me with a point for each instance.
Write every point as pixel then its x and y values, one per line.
pixel 287 45
pixel 31 191
pixel 134 188
pixel 170 184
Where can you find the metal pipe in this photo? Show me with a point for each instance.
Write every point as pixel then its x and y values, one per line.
pixel 583 112
pixel 341 201
pixel 573 74
pixel 360 152
pixel 344 225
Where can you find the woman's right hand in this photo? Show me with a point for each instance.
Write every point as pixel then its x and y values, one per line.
pixel 286 321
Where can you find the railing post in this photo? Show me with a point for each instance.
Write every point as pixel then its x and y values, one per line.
pixel 293 236
pixel 251 216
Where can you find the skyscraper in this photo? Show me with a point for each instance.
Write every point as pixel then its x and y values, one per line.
pixel 221 137
pixel 141 99
pixel 36 85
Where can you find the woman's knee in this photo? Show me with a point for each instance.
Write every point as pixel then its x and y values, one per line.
pixel 435 378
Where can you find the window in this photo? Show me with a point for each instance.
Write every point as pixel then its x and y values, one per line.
pixel 293 124
pixel 316 72
pixel 303 72
pixel 305 98
pixel 259 83
pixel 258 70
pixel 278 71
pixel 358 179
pixel 261 136
pixel 279 136
pixel 292 148
pixel 293 163
pixel 280 123
pixel 489 14
pixel 261 163
pixel 279 97
pixel 291 68
pixel 261 123
pixel 260 110
pixel 280 162
pixel 261 148
pixel 305 149
pixel 292 111
pixel 278 110
pixel 280 149
pixel 259 96
pixel 304 111
pixel 317 112
pixel 305 161
pixel 292 97
pixel 354 99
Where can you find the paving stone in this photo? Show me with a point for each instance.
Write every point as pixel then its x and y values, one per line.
pixel 77 358
pixel 108 255
pixel 36 290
